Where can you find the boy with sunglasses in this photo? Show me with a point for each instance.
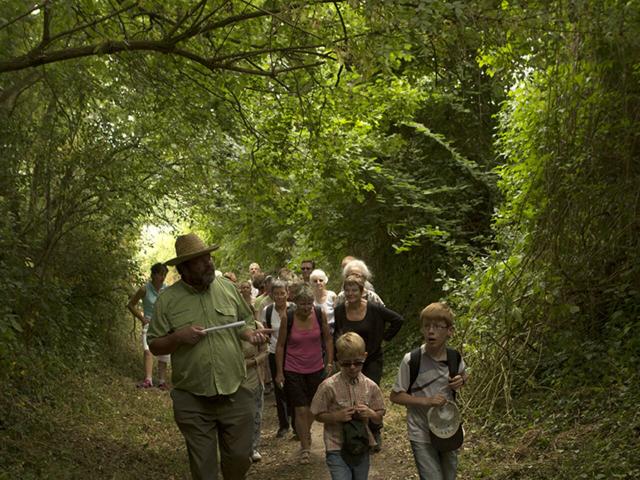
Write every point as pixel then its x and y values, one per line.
pixel 345 397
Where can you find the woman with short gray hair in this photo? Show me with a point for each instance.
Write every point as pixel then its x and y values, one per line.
pixel 323 298
pixel 359 268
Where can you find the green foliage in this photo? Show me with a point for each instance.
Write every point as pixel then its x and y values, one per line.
pixel 320 129
pixel 317 184
pixel 69 198
pixel 587 434
pixel 556 302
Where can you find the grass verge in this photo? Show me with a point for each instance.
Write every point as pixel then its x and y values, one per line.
pixel 90 421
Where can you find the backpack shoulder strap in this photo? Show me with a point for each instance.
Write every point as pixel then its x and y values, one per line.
pixel 414 367
pixel 453 361
pixel 289 322
pixel 290 313
pixel 318 311
pixel 267 318
pixel 318 315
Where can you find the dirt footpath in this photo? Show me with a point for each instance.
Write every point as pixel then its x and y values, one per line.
pixel 280 462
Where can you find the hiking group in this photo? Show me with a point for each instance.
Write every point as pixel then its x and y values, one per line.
pixel 319 351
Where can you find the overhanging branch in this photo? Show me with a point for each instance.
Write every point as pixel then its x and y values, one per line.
pixel 108 48
pixel 172 44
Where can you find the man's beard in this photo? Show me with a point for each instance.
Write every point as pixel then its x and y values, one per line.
pixel 203 281
pixel 207 278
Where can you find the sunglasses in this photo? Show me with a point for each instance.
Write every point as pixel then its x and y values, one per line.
pixel 354 363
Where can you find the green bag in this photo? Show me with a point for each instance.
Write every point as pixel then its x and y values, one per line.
pixel 355 441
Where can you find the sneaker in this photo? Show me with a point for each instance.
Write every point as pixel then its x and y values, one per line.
pixel 164 386
pixel 146 384
pixel 255 456
pixel 295 437
pixel 304 457
pixel 282 432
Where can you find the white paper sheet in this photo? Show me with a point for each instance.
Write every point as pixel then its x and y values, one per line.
pixel 222 327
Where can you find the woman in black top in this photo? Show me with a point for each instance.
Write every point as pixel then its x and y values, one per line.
pixel 374 323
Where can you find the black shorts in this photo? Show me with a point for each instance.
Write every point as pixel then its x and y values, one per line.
pixel 301 387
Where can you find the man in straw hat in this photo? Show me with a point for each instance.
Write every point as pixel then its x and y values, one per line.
pixel 212 406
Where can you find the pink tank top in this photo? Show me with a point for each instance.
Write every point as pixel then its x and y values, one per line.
pixel 304 348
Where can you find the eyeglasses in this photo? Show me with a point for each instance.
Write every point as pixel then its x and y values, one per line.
pixel 354 363
pixel 305 268
pixel 435 326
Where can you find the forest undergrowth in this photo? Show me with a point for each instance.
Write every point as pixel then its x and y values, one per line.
pixel 90 421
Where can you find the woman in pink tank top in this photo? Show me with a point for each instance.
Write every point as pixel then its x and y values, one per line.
pixel 299 360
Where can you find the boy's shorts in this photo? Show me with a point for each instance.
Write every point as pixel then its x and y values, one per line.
pixel 145 346
pixel 301 387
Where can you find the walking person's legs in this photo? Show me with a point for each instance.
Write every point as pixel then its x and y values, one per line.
pixel 163 362
pixel 341 470
pixel 449 463
pixel 196 419
pixel 224 421
pixel 434 465
pixel 281 400
pixel 257 422
pixel 147 382
pixel 304 420
pixel 235 433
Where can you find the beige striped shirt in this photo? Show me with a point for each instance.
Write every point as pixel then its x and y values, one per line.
pixel 338 392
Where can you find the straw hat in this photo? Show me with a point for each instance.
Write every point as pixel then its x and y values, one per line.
pixel 445 420
pixel 445 427
pixel 189 246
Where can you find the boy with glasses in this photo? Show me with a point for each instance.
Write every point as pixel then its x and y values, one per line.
pixel 432 387
pixel 346 397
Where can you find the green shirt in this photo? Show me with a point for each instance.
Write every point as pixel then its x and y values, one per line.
pixel 214 365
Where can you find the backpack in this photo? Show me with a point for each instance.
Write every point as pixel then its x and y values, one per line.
pixel 267 318
pixel 453 362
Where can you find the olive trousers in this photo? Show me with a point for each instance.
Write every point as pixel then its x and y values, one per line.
pixel 209 424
